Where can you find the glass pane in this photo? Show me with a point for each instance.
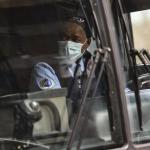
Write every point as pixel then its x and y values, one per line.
pixel 139 109
pixel 46 57
pixel 140 24
pixel 139 136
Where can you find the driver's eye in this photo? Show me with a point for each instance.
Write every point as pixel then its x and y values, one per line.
pixel 76 39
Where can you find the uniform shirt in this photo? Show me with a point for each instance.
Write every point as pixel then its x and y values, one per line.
pixel 44 77
pixel 68 70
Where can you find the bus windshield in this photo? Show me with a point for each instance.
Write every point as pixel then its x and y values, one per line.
pixel 54 94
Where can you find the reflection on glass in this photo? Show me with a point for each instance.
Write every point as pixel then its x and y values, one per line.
pixel 141 28
pixel 138 135
pixel 47 52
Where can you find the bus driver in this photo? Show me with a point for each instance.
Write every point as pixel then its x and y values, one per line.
pixel 74 55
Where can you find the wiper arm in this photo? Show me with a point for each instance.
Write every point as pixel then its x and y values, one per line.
pixel 104 60
pixel 84 98
pixel 136 90
pixel 26 144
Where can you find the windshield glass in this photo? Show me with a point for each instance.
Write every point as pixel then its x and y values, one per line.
pixel 136 65
pixel 140 23
pixel 50 96
pixel 140 123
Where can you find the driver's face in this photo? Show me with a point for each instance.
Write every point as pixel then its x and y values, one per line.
pixel 74 32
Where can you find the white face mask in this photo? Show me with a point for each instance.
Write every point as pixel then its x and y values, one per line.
pixel 68 48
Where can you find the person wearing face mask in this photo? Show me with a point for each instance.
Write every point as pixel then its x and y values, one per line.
pixel 72 61
pixel 75 47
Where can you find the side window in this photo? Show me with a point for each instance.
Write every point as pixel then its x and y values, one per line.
pixel 138 95
pixel 140 23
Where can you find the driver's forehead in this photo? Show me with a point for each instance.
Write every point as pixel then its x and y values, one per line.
pixel 73 30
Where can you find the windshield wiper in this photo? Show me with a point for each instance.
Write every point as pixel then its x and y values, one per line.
pixel 25 144
pixel 84 97
pixel 136 89
pixel 105 53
